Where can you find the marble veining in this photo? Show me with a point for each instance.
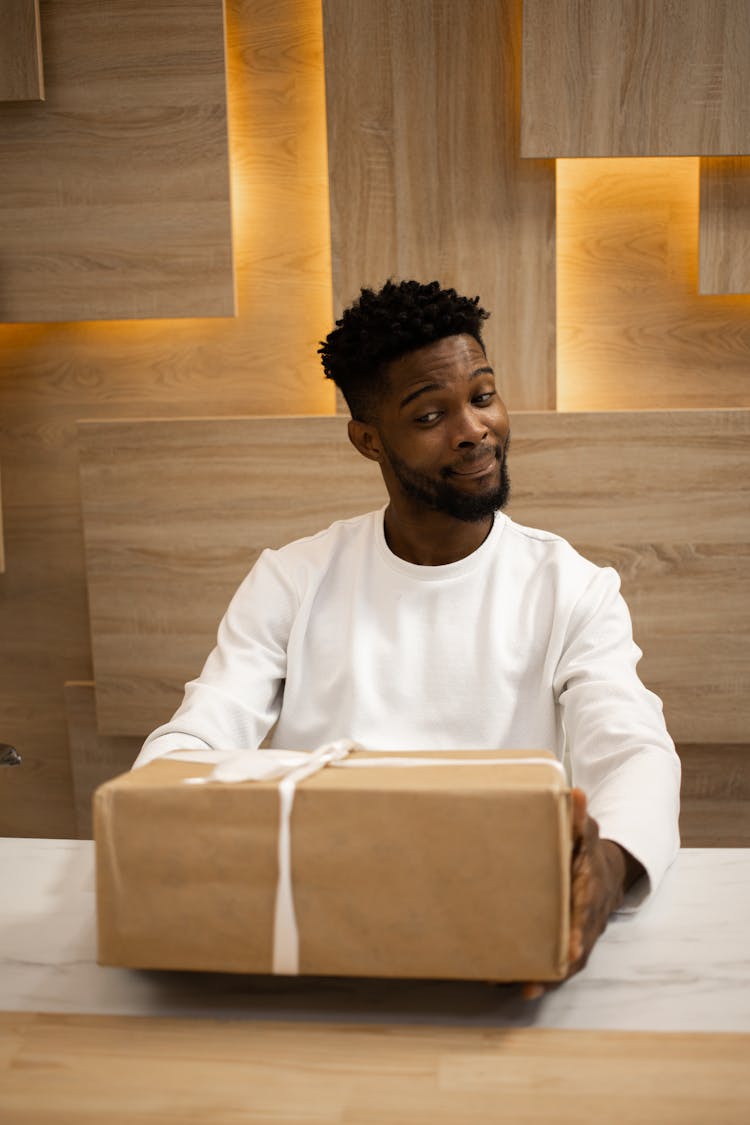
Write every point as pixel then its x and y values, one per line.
pixel 681 963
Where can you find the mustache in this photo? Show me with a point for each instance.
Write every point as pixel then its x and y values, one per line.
pixel 477 456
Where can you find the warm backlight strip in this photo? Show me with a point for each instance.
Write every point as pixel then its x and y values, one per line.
pixel 633 333
pixel 263 360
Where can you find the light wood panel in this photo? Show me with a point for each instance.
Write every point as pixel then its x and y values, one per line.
pixel 714 800
pixel 116 190
pixel 425 175
pixel 715 796
pixel 21 76
pixel 725 225
pixel 263 361
pixel 636 78
pixel 61 1068
pixel 175 509
pixel 43 625
pixel 94 758
pixel 711 822
pixel 633 333
pixel 176 513
pixel 702 781
pixel 2 539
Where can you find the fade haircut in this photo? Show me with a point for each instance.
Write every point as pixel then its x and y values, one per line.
pixel 381 327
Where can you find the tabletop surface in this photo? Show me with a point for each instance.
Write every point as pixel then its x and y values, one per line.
pixel 680 964
pixel 59 1069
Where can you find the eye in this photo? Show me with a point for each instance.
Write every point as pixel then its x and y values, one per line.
pixel 484 398
pixel 427 419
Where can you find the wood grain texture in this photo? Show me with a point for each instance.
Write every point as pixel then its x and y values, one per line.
pixel 725 225
pixel 21 74
pixel 94 758
pixel 43 624
pixel 426 180
pixel 176 513
pixel 175 509
pixel 2 539
pixel 712 822
pixel 715 796
pixel 633 332
pixel 635 78
pixel 63 1068
pixel 116 190
pixel 702 780
pixel 261 362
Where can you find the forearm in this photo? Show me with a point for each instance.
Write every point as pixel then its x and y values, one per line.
pixel 209 718
pixel 621 754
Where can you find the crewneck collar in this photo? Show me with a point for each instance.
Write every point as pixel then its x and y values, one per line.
pixel 445 570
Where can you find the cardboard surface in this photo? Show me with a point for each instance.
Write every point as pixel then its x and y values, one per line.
pixel 451 871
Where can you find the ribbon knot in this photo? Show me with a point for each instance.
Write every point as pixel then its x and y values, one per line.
pixel 289 767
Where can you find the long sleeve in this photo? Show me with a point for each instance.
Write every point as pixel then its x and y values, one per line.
pixel 620 752
pixel 236 699
pixel 334 636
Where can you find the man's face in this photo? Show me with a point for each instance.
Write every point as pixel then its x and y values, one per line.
pixel 444 430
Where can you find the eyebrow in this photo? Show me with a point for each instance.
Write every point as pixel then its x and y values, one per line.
pixel 428 388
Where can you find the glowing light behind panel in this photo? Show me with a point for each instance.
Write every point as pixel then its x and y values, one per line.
pixel 633 332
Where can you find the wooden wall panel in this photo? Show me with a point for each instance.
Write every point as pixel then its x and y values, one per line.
pixel 21 76
pixel 2 539
pixel 154 539
pixel 175 514
pixel 633 332
pixel 115 190
pixel 715 797
pixel 636 78
pixel 426 178
pixel 43 626
pixel 261 362
pixel 725 225
pixel 94 758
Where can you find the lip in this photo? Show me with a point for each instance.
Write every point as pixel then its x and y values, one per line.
pixel 477 470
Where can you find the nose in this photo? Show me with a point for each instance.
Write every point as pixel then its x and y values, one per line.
pixel 471 429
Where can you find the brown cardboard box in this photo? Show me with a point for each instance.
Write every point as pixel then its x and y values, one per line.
pixel 450 871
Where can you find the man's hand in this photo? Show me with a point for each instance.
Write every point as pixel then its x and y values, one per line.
pixel 601 872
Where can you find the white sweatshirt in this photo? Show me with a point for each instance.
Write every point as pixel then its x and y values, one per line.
pixel 524 644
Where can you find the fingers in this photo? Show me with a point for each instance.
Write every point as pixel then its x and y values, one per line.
pixel 591 896
pixel 578 813
pixel 580 882
pixel 575 949
pixel 576 938
pixel 532 990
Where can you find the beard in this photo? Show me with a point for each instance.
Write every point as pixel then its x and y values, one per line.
pixel 444 496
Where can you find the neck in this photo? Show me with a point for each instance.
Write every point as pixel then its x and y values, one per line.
pixel 432 538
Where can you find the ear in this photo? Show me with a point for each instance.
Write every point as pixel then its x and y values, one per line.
pixel 366 440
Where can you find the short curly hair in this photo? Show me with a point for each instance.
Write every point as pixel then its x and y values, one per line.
pixel 380 327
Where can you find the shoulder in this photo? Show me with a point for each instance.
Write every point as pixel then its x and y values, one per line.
pixel 308 558
pixel 544 545
pixel 552 559
pixel 343 535
pixel 287 574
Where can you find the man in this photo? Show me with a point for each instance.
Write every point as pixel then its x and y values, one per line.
pixel 438 623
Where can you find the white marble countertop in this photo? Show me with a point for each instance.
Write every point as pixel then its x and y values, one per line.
pixel 682 963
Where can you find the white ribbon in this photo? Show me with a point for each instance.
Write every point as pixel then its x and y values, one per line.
pixel 267 765
pixel 291 767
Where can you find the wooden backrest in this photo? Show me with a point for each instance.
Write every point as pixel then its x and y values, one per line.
pixel 176 512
